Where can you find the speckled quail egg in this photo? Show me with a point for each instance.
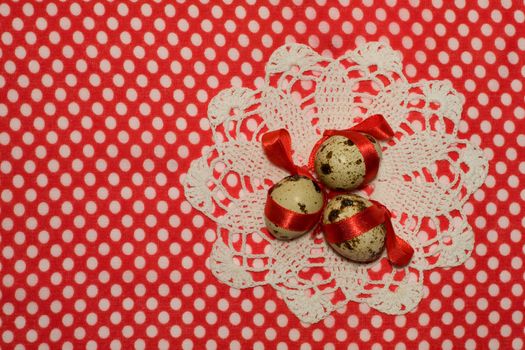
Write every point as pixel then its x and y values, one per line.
pixel 363 248
pixel 299 194
pixel 339 164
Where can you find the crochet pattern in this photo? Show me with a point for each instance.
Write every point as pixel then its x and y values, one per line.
pixel 426 176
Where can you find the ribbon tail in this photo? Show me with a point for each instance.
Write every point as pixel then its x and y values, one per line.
pixel 399 252
pixel 277 145
pixel 375 126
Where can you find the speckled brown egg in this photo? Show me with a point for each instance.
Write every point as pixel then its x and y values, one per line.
pixel 339 164
pixel 367 246
pixel 299 194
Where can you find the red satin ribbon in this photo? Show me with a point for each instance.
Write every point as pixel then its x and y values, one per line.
pixel 376 126
pixel 277 145
pixel 351 227
pixel 287 218
pixel 399 252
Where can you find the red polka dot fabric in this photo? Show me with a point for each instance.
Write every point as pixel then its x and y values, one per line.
pixel 102 108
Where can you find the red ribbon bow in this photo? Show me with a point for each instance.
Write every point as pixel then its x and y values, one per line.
pixel 277 145
pixel 278 148
pixel 375 126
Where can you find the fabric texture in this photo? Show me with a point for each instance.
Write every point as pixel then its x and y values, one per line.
pixel 103 107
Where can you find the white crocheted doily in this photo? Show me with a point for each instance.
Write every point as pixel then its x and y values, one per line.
pixel 426 176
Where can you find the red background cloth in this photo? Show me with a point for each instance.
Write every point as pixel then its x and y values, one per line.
pixel 102 108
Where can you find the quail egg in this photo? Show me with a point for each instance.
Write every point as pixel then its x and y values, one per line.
pixel 339 164
pixel 363 248
pixel 299 194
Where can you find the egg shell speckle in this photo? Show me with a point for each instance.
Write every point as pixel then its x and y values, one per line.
pixel 364 248
pixel 299 194
pixel 339 164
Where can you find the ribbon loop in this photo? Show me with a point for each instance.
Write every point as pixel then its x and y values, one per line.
pixel 375 126
pixel 277 145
